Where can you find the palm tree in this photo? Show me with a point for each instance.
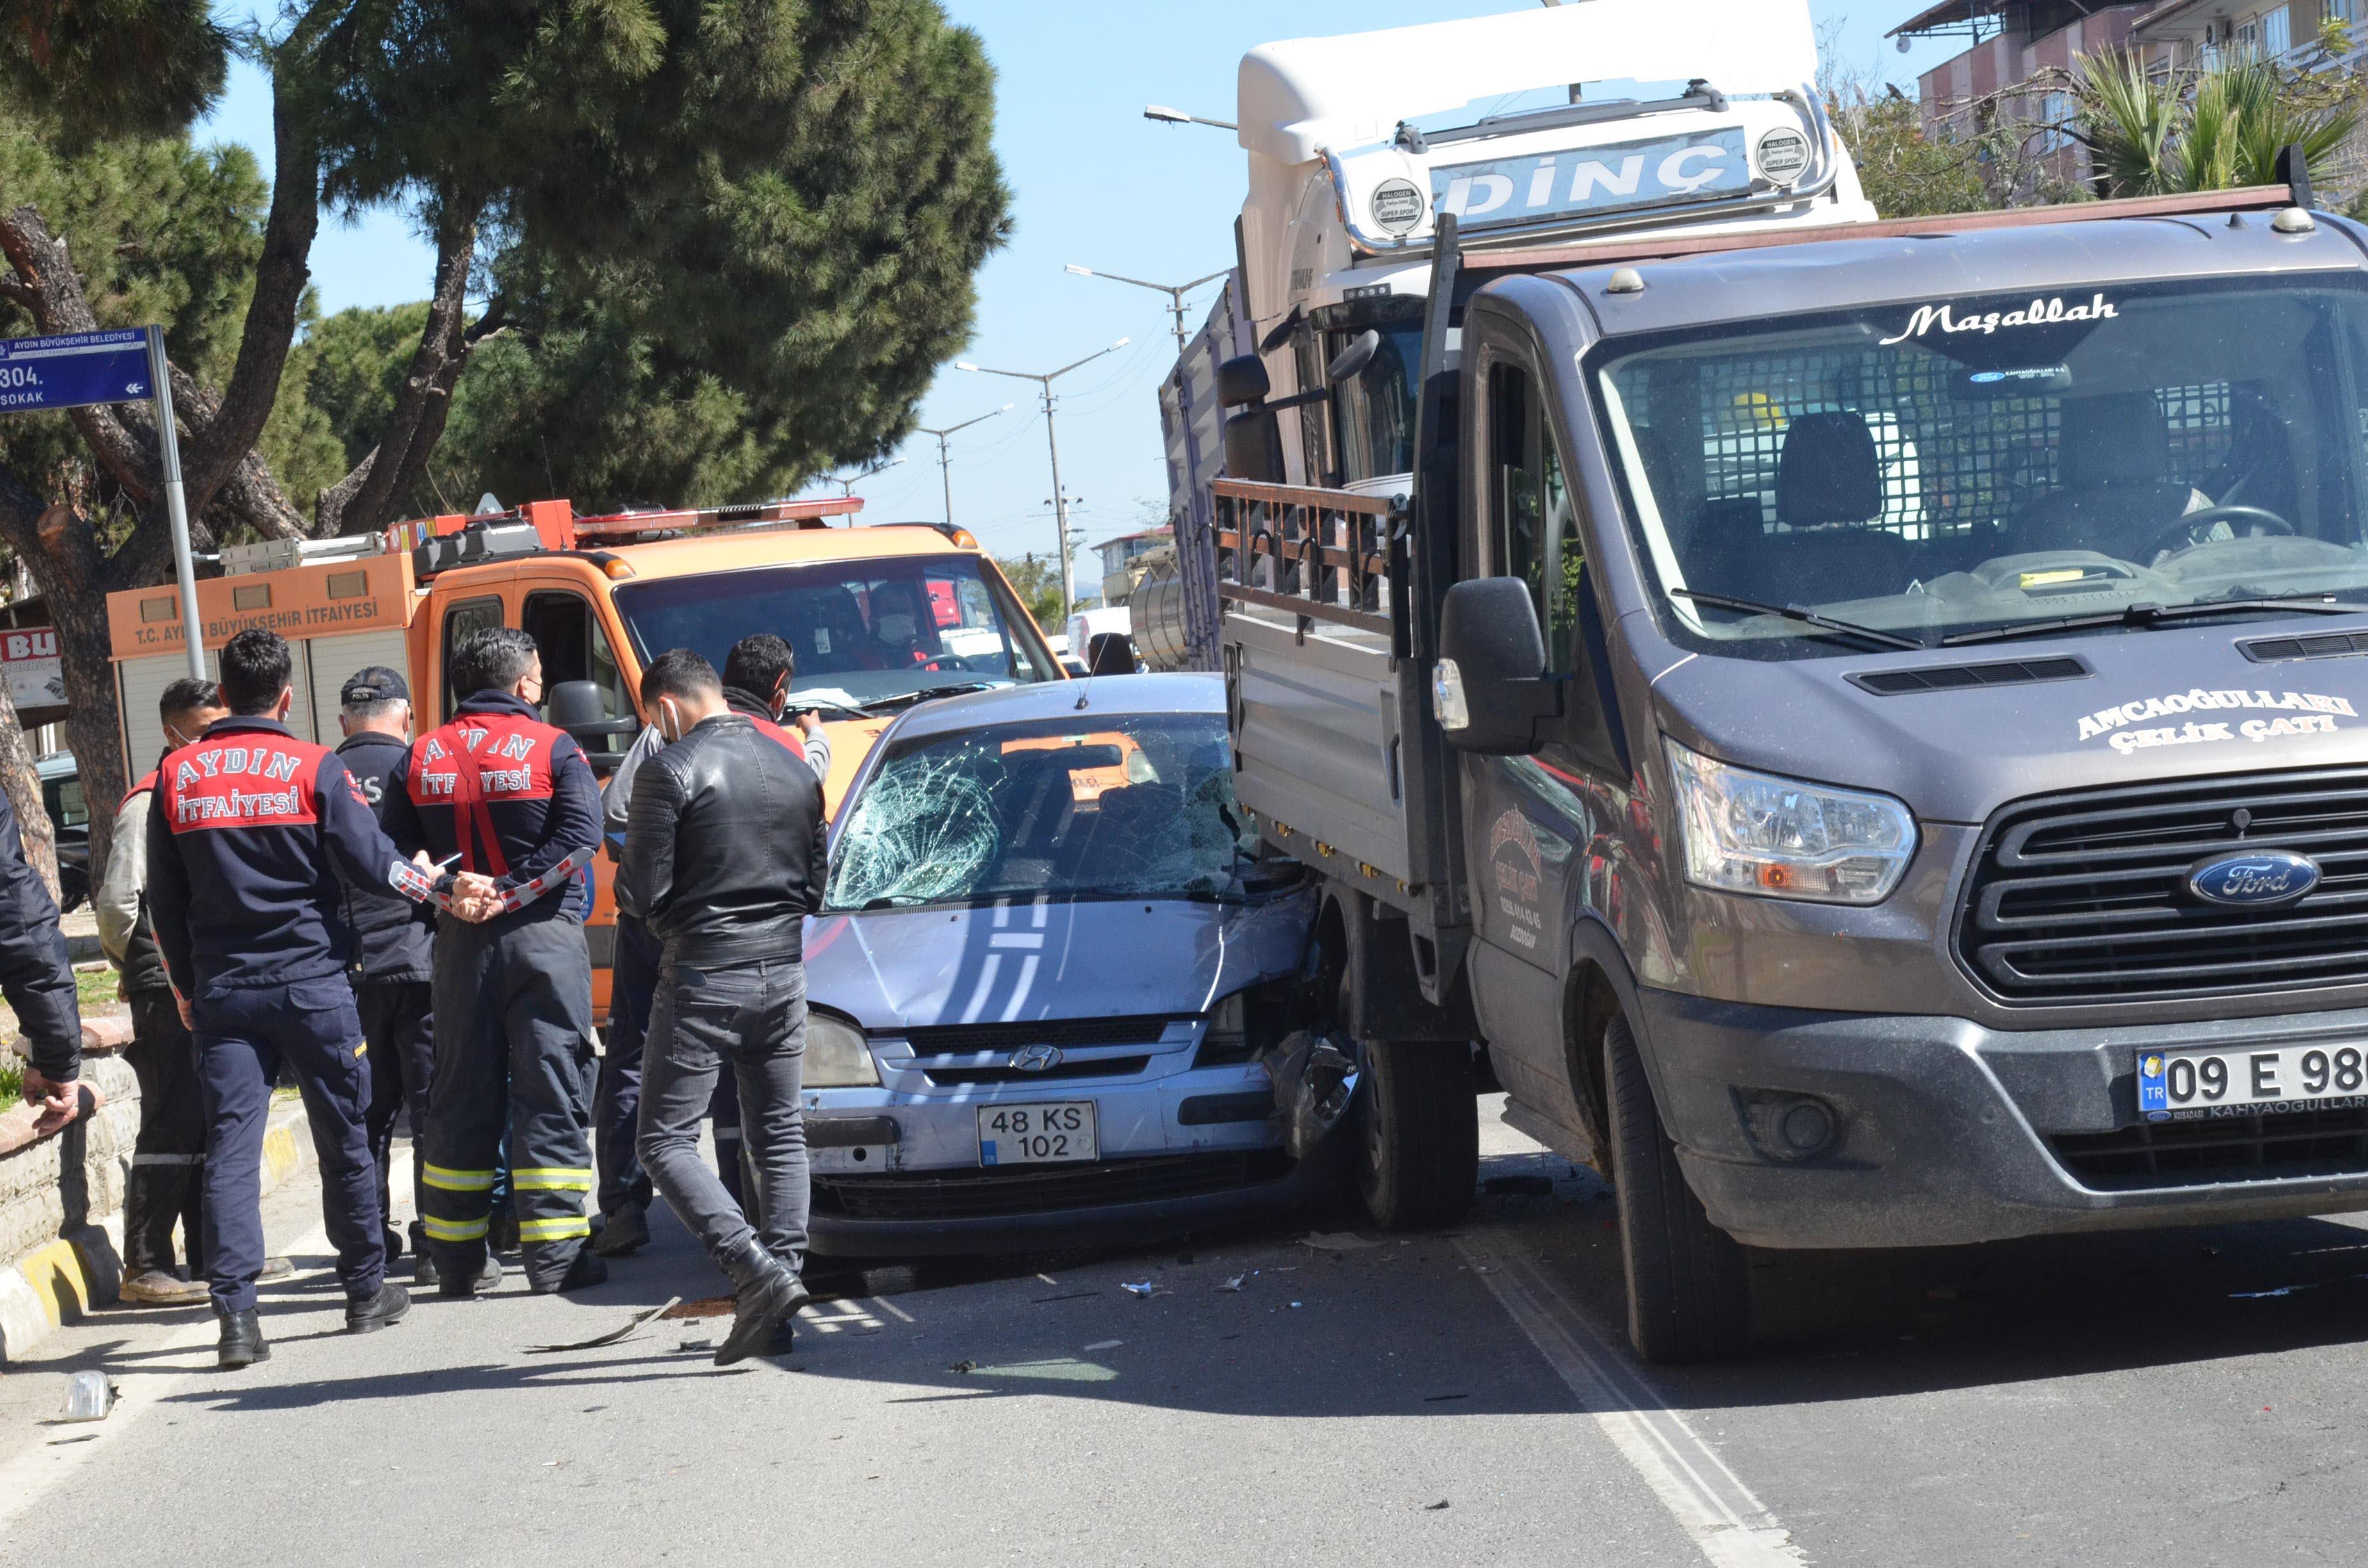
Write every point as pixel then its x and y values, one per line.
pixel 2214 130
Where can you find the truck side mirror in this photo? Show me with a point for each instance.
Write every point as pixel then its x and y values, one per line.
pixel 1350 362
pixel 577 707
pixel 1490 687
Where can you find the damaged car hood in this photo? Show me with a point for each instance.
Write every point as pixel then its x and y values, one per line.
pixel 1021 959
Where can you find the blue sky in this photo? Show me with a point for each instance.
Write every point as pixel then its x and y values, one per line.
pixel 1095 184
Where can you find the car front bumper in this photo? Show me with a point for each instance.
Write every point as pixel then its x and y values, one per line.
pixel 1948 1133
pixel 898 1175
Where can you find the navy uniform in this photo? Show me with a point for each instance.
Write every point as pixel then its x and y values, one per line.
pixel 393 966
pixel 249 832
pixel 34 975
pixel 516 801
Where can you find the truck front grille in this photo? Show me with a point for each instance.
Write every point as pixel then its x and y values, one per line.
pixel 2237 1148
pixel 2083 897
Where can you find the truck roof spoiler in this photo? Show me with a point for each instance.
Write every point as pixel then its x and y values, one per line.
pixel 1667 247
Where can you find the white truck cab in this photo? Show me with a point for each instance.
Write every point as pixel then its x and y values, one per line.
pixel 1561 124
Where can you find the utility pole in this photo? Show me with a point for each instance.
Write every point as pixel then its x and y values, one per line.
pixel 847 486
pixel 1175 292
pixel 945 463
pixel 1052 440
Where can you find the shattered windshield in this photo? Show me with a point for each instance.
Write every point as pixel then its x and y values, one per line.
pixel 1968 464
pixel 1139 806
pixel 866 633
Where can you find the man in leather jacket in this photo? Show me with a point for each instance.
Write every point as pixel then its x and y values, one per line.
pixel 724 859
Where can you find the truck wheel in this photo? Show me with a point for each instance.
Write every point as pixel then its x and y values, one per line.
pixel 1419 1159
pixel 1689 1286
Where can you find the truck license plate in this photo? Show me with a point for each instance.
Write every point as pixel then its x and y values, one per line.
pixel 1038 1134
pixel 2186 1086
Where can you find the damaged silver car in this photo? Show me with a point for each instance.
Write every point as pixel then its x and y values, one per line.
pixel 1056 982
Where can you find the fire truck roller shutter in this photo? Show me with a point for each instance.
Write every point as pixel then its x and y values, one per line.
pixel 335 658
pixel 138 685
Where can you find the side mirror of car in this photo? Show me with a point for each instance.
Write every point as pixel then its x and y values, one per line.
pixel 577 707
pixel 1490 687
pixel 1351 361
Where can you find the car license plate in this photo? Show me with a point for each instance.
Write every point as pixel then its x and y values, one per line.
pixel 2183 1085
pixel 1038 1134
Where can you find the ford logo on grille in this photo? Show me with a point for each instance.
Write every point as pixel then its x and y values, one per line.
pixel 2260 879
pixel 1044 1058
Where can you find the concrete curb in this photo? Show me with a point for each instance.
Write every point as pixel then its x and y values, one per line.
pixel 61 1282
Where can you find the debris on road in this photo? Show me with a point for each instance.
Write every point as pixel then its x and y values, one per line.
pixel 963 1367
pixel 632 1327
pixel 1442 1398
pixel 1520 1186
pixel 1236 1282
pixel 1336 1241
pixel 1147 1290
pixel 89 1397
pixel 1104 1345
pixel 1072 1296
pixel 1434 1508
pixel 2265 1295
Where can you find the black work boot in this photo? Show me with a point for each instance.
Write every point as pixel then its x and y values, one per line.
pixel 768 1294
pixel 381 1310
pixel 628 1231
pixel 242 1340
pixel 423 1272
pixel 458 1284
pixel 584 1271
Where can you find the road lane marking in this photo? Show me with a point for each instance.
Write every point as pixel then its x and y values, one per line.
pixel 1708 1501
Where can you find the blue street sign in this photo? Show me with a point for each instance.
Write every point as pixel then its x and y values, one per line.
pixel 68 372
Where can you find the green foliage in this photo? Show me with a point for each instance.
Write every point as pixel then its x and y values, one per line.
pixel 732 243
pixel 2214 130
pixel 162 233
pixel 1906 172
pixel 12 1082
pixel 1037 580
pixel 112 67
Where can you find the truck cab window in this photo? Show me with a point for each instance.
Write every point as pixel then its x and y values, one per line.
pixel 573 647
pixel 461 622
pixel 1532 520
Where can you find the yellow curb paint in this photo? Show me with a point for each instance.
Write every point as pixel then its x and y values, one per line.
pixel 46 1268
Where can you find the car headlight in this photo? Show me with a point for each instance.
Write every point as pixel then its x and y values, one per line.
pixel 837 1056
pixel 1754 833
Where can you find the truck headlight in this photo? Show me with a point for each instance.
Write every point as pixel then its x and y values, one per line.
pixel 837 1056
pixel 1754 833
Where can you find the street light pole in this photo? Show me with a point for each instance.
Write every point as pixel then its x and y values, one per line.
pixel 1052 440
pixel 945 462
pixel 847 486
pixel 1175 292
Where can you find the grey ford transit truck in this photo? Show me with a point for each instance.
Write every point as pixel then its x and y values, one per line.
pixel 1867 730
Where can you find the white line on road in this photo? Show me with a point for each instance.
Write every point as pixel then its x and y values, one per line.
pixel 1708 1501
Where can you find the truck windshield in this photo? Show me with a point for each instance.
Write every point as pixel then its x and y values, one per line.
pixel 1373 410
pixel 1973 464
pixel 867 633
pixel 1109 807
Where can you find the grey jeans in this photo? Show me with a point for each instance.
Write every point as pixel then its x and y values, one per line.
pixel 751 1020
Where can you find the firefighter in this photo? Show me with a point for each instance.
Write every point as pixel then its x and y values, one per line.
pixel 393 964
pixel 515 801
pixel 165 1188
pixel 248 834
pixel 725 859
pixel 756 676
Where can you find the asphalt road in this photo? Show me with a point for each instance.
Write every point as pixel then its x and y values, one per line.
pixel 2144 1399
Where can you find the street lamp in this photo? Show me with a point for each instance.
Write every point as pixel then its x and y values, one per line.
pixel 1166 116
pixel 1175 292
pixel 945 470
pixel 1060 499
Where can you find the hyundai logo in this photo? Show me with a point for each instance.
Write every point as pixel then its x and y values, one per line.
pixel 1044 1058
pixel 2258 880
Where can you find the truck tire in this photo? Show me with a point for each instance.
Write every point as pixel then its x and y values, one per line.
pixel 1689 1282
pixel 1419 1156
